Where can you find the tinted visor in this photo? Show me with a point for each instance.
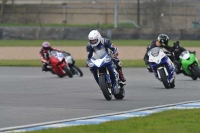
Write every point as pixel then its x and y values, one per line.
pixel 46 48
pixel 162 44
pixel 93 41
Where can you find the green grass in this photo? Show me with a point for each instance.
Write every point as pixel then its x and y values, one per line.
pixel 171 121
pixel 80 63
pixel 186 43
pixel 39 42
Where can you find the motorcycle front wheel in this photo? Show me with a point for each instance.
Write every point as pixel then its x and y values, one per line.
pixel 197 70
pixel 68 72
pixel 104 87
pixel 164 78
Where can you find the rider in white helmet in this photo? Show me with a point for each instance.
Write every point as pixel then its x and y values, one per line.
pixel 99 46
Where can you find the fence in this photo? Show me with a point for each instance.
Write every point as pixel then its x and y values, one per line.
pixel 156 14
pixel 81 33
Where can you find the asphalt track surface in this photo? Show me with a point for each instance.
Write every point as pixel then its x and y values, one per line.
pixel 29 96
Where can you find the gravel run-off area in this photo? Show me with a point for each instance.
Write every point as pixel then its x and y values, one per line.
pixel 78 52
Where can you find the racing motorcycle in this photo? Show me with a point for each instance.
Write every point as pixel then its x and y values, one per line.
pixel 190 64
pixel 101 65
pixel 58 65
pixel 164 67
pixel 71 62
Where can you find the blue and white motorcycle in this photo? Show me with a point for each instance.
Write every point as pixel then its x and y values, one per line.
pixel 101 66
pixel 163 67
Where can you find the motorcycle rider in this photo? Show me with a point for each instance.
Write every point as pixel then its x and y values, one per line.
pixel 99 45
pixel 44 54
pixel 162 41
pixel 178 49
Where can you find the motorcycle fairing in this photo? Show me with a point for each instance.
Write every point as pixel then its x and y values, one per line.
pixel 155 55
pixel 103 64
pixel 158 59
pixel 187 59
pixel 104 61
pixel 57 61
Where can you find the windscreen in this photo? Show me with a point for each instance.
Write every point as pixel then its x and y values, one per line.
pixel 183 53
pixel 53 53
pixel 155 51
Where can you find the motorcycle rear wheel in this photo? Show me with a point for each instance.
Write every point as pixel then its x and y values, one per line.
pixel 77 71
pixel 60 76
pixel 104 87
pixel 164 78
pixel 194 77
pixel 121 94
pixel 68 72
pixel 172 84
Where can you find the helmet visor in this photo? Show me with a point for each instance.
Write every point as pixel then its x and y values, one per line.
pixel 46 48
pixel 92 42
pixel 163 44
pixel 176 48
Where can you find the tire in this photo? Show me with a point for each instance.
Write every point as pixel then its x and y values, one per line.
pixel 68 72
pixel 104 87
pixel 77 71
pixel 194 77
pixel 52 71
pixel 197 70
pixel 60 76
pixel 164 78
pixel 121 94
pixel 172 84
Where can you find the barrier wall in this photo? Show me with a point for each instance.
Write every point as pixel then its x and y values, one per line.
pixel 61 33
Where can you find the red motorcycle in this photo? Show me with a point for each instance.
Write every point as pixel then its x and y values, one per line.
pixel 58 64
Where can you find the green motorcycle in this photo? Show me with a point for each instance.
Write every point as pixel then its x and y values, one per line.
pixel 190 64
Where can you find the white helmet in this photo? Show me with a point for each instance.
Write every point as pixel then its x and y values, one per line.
pixel 94 38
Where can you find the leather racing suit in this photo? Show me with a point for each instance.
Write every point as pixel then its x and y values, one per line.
pixel 44 54
pixel 146 57
pixel 104 46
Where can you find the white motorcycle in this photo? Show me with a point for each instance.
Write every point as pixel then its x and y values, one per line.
pixel 71 62
pixel 164 67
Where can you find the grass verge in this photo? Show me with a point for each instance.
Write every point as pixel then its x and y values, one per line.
pixel 185 43
pixel 80 63
pixel 173 121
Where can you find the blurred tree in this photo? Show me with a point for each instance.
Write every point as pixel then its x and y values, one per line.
pixel 2 9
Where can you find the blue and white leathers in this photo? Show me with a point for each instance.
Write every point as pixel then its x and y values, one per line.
pixel 158 59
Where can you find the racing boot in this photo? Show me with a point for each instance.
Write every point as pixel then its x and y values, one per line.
pixel 178 67
pixel 149 69
pixel 45 67
pixel 121 75
pixel 178 70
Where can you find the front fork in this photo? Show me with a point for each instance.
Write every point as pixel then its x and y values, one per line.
pixel 166 73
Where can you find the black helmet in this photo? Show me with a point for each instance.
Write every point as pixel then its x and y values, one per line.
pixel 163 39
pixel 176 45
